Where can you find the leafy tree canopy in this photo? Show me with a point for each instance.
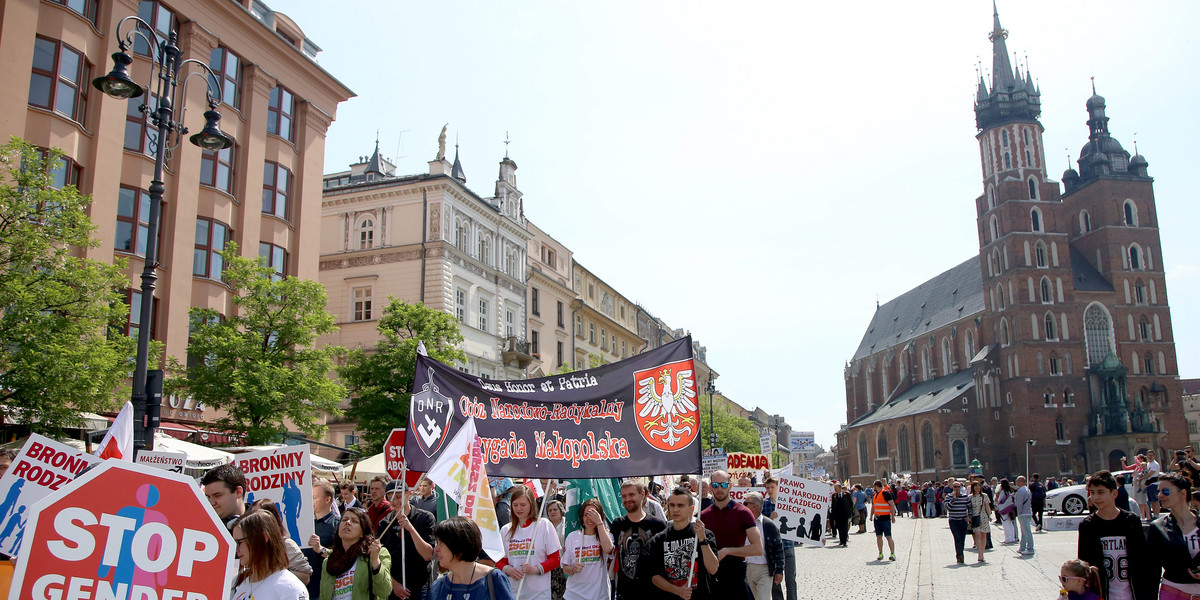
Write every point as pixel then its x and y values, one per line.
pixel 381 379
pixel 260 364
pixel 734 434
pixel 58 355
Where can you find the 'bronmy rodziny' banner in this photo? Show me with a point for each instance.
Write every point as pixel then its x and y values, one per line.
pixel 635 417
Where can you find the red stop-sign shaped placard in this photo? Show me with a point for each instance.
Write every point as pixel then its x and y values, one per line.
pixel 393 458
pixel 125 530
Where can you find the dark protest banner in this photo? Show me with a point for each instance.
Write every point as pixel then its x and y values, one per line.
pixel 635 417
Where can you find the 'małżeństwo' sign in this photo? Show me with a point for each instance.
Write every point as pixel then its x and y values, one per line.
pixel 638 416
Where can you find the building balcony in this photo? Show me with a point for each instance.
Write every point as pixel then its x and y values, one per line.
pixel 515 352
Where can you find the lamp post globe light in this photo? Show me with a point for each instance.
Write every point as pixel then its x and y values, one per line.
pixel 166 68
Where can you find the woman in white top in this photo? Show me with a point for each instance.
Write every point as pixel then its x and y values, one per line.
pixel 264 574
pixel 1006 507
pixel 531 548
pixel 586 554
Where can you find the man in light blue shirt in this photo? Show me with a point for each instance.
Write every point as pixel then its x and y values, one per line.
pixel 1025 516
pixel 860 505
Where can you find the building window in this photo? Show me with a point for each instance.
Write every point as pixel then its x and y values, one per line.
pixel 85 8
pixel 864 465
pixel 534 306
pixel 1139 292
pixel 509 324
pixel 1051 327
pixel 927 446
pixel 1060 429
pixel 902 448
pixel 603 339
pixel 958 449
pixel 59 80
pixel 1130 210
pixel 1032 181
pixel 63 171
pixel 366 233
pixel 276 178
pixel 1068 397
pixel 995 228
pixel 484 256
pixel 460 306
pixel 1097 334
pixel 560 314
pixel 578 326
pixel 460 237
pixel 483 314
pixel 362 303
pixel 160 18
pixel 280 107
pixel 1135 258
pixel 1047 291
pixel 133 323
pixel 534 347
pixel 881 444
pixel 1055 364
pixel 227 66
pixel 139 136
pixel 1007 160
pixel 1085 222
pixel 216 169
pixel 1004 340
pixel 969 345
pixel 1145 333
pixel 592 333
pixel 1040 254
pixel 211 236
pixel 559 356
pixel 275 257
pixel 1004 137
pixel 1035 219
pixel 133 214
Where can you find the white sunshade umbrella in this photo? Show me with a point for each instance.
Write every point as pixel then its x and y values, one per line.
pixel 198 457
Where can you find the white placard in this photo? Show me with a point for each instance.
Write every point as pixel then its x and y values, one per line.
pixel 41 467
pixel 802 441
pixel 802 505
pixel 162 459
pixel 285 476
pixel 766 441
pixel 715 462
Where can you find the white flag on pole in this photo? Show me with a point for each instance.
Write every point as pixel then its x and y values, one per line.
pixel 460 473
pixel 118 442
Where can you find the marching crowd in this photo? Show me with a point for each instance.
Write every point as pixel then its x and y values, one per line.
pixel 389 545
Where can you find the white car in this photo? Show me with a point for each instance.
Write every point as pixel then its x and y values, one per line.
pixel 1072 499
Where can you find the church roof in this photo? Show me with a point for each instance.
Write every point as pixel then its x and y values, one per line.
pixel 926 308
pixel 1087 278
pixel 920 398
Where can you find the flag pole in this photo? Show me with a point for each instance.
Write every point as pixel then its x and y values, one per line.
pixel 403 532
pixel 696 545
pixel 532 539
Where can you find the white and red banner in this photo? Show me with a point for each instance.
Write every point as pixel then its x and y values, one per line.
pixel 40 468
pixel 741 464
pixel 460 473
pixel 124 530
pixel 803 505
pixel 738 494
pixel 284 475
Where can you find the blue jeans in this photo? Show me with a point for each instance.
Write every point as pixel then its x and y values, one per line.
pixel 931 509
pixel 1026 522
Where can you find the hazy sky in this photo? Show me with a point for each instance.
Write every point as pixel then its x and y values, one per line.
pixel 761 173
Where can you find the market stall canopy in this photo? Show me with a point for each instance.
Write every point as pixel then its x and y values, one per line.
pixel 370 467
pixel 198 457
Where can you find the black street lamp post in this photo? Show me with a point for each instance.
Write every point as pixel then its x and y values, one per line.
pixel 166 67
pixel 712 424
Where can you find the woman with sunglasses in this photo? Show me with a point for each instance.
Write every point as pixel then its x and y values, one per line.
pixel 358 567
pixel 981 515
pixel 1174 540
pixel 264 571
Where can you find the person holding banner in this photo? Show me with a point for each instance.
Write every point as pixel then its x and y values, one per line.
pixel 531 547
pixel 732 524
pixel 408 536
pixel 586 554
pixel 673 553
pixel 264 573
pixel 358 567
pixel 633 532
pixel 459 545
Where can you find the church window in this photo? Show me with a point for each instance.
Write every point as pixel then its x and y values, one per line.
pixel 991 198
pixel 1003 332
pixel 902 446
pixel 1085 222
pixel 1051 327
pixel 1135 257
pixel 1047 292
pixel 1048 397
pixel 1149 364
pixel 1139 292
pixel 959 450
pixel 1025 136
pixel 969 345
pixel 995 227
pixel 1040 254
pixel 1032 182
pixel 1145 333
pixel 1055 364
pixel 1035 219
pixel 1004 137
pixel 1068 397
pixel 927 446
pixel 947 356
pixel 1130 213
pixel 881 444
pixel 1000 296
pixel 1097 333
pixel 863 459
pixel 1068 363
pixel 1041 364
pixel 1007 160
pixel 1060 429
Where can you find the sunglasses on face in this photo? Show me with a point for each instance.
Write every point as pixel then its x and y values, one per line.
pixel 1064 578
pixel 721 485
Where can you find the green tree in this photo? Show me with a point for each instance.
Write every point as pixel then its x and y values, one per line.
pixel 259 364
pixel 59 353
pixel 734 434
pixel 381 379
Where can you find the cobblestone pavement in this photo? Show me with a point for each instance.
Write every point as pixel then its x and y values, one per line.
pixel 925 567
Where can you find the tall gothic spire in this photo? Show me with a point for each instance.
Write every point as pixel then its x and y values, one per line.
pixel 1002 71
pixel 1013 96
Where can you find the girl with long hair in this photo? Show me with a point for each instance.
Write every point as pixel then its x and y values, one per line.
pixel 359 567
pixel 531 548
pixel 297 563
pixel 1006 506
pixel 1080 581
pixel 586 554
pixel 263 573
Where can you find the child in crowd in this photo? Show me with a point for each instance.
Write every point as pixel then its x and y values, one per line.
pixel 1080 581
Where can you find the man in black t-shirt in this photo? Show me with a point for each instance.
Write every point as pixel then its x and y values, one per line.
pixel 632 534
pixel 671 551
pixel 417 548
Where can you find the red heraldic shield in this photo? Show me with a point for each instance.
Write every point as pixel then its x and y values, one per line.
pixel 667 413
